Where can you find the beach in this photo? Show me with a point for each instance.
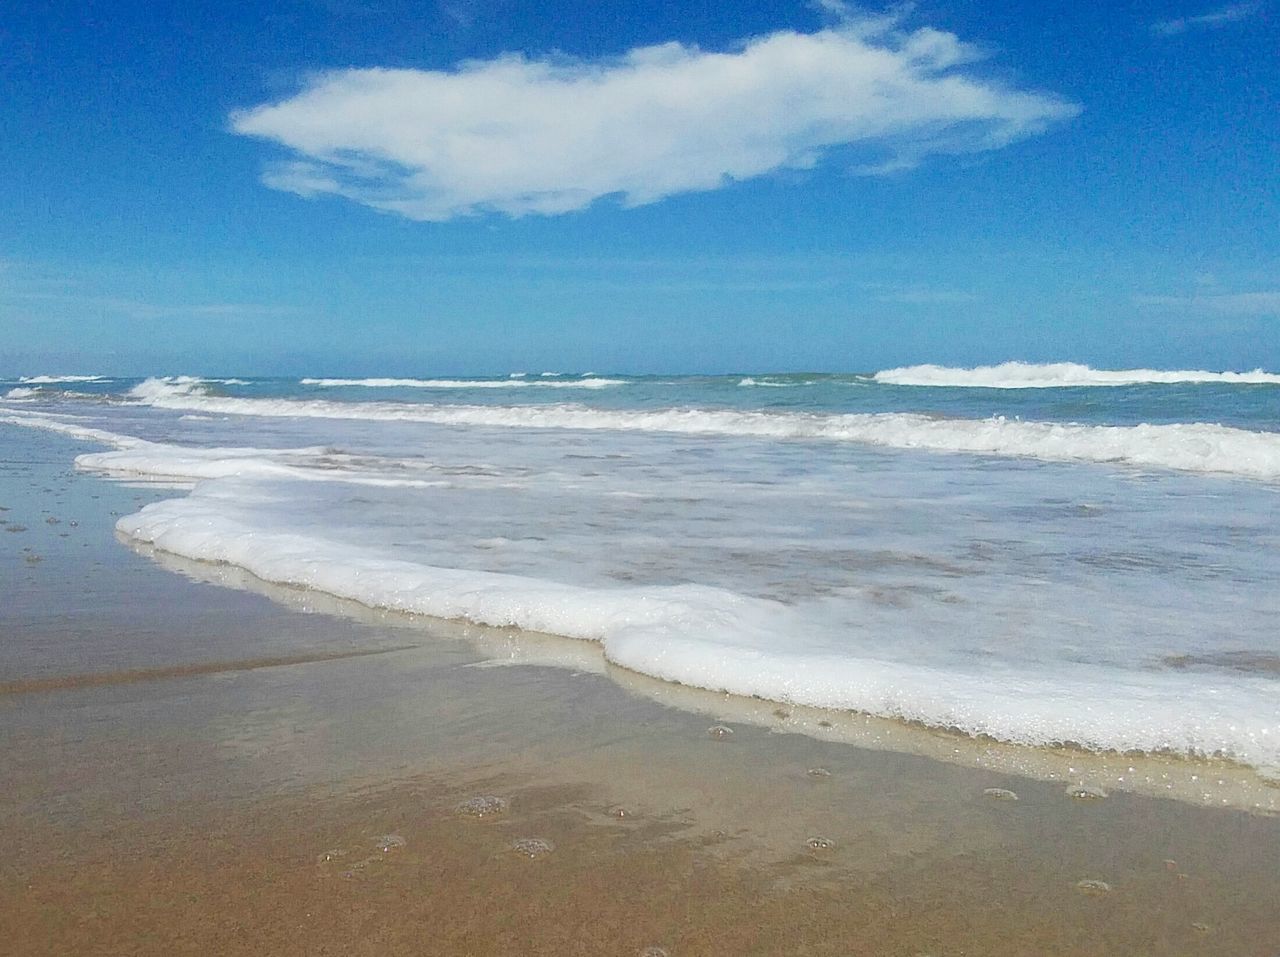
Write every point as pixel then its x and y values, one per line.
pixel 199 762
pixel 776 479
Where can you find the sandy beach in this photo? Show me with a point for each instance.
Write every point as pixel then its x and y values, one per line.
pixel 285 774
pixel 789 479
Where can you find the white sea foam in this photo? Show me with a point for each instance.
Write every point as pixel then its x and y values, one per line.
pixel 512 382
pixel 167 387
pixel 767 383
pixel 54 379
pixel 1193 447
pixel 21 392
pixel 168 463
pixel 139 459
pixel 1056 375
pixel 36 420
pixel 720 640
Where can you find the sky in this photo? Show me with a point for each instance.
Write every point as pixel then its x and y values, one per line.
pixel 333 187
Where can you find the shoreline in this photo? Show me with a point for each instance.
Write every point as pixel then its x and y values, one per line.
pixel 193 812
pixel 1209 781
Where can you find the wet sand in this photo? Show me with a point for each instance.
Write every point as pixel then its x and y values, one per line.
pixel 196 768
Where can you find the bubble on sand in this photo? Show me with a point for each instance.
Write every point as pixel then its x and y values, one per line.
pixel 483 805
pixel 390 842
pixel 1083 792
pixel 51 520
pixel 532 847
pixel 1093 888
pixel 820 844
pixel 655 952
pixel 1170 865
pixel 1200 927
pixel 1000 794
pixel 354 870
pixel 818 773
pixel 330 855
pixel 719 731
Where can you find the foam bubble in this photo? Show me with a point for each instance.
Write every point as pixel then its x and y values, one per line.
pixel 1093 888
pixel 390 842
pixel 483 805
pixel 1000 794
pixel 1084 792
pixel 532 847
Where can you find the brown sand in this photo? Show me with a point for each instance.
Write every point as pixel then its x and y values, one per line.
pixel 307 876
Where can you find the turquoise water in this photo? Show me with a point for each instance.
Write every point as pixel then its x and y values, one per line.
pixel 1249 406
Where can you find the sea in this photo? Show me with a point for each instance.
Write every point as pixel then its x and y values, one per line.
pixel 1044 554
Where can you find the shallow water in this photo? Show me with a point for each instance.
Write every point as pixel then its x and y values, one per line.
pixel 829 541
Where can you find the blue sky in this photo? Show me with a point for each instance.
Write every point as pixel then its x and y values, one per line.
pixel 480 186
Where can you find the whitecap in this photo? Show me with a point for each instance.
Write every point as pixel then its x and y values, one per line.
pixel 1057 375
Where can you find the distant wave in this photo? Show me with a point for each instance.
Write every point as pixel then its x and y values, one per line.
pixel 52 379
pixel 1058 375
pixel 164 387
pixel 18 393
pixel 508 383
pixel 1192 447
pixel 750 381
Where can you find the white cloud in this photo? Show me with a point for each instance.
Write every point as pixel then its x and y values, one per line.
pixel 518 135
pixel 1214 18
pixel 1226 304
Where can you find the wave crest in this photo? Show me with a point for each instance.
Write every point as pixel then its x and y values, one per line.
pixel 1191 447
pixel 512 382
pixel 1059 375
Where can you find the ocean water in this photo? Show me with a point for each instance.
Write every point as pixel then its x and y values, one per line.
pixel 1045 554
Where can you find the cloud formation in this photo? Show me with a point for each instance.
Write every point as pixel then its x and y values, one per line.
pixel 1214 18
pixel 518 135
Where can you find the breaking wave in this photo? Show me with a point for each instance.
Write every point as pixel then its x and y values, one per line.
pixel 1191 447
pixel 512 382
pixel 1059 375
